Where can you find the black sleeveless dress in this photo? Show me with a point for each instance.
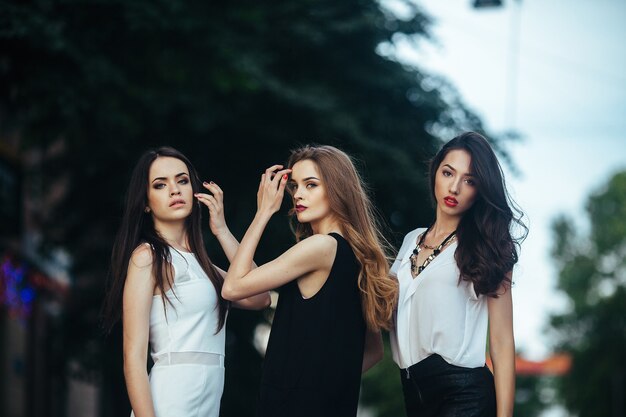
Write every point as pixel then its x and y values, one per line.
pixel 313 361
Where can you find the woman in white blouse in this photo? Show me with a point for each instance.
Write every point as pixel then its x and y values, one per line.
pixel 455 288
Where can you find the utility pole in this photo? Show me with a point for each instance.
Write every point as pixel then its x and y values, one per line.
pixel 510 99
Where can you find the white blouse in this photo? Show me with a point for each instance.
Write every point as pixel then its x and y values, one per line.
pixel 437 313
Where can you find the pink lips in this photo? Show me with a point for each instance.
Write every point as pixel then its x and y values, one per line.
pixel 450 201
pixel 300 208
pixel 177 203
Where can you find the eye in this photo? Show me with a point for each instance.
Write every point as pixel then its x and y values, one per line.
pixel 158 186
pixel 470 181
pixel 311 185
pixel 446 173
pixel 183 181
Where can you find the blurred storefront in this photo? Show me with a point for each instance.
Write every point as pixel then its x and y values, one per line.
pixel 37 379
pixel 32 355
pixel 30 307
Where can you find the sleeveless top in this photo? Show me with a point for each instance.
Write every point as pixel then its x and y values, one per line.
pixel 187 378
pixel 185 329
pixel 314 357
pixel 437 313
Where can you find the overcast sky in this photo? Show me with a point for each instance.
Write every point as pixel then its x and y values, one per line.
pixel 562 85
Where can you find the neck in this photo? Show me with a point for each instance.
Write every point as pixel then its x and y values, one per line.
pixel 173 233
pixel 325 226
pixel 444 225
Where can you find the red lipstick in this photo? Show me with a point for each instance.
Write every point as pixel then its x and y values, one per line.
pixel 450 201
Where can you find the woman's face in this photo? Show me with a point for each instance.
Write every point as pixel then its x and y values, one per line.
pixel 455 190
pixel 309 193
pixel 170 195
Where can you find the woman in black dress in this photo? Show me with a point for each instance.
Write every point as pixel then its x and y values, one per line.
pixel 335 292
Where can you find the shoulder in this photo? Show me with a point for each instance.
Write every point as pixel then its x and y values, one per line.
pixel 410 238
pixel 409 242
pixel 139 277
pixel 416 232
pixel 319 245
pixel 142 256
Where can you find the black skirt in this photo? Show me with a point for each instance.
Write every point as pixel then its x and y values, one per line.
pixel 434 388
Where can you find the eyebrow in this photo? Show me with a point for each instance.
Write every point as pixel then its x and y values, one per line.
pixel 453 169
pixel 305 179
pixel 175 176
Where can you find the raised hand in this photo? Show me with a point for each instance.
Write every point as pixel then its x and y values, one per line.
pixel 215 203
pixel 272 189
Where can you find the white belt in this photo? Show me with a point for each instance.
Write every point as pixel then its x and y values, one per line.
pixel 196 358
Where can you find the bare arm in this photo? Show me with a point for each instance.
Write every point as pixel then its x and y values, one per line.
pixel 309 255
pixel 228 242
pixel 315 253
pixel 373 350
pixel 137 301
pixel 253 302
pixel 502 348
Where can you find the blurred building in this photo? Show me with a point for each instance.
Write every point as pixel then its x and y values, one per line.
pixel 33 293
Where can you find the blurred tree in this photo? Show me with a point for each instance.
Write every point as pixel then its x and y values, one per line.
pixel 593 276
pixel 87 86
pixel 382 389
pixel 533 394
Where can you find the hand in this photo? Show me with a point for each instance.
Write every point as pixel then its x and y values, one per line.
pixel 272 189
pixel 215 204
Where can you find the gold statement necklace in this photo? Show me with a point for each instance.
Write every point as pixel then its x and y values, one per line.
pixel 417 269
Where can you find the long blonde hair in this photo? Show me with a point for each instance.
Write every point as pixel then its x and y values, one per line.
pixel 349 202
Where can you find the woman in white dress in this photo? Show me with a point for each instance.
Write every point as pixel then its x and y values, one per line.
pixel 168 293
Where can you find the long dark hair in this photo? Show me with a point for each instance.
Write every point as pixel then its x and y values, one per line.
pixel 348 200
pixel 487 249
pixel 138 228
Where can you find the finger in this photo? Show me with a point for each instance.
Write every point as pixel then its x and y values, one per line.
pixel 283 183
pixel 207 199
pixel 212 187
pixel 207 185
pixel 202 198
pixel 214 201
pixel 203 201
pixel 215 190
pixel 278 177
pixel 278 174
pixel 213 210
pixel 269 173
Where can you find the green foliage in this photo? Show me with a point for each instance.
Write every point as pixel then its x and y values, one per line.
pixel 382 389
pixel 88 85
pixel 533 394
pixel 593 276
pixel 607 211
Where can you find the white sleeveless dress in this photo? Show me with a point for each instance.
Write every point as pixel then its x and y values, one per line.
pixel 187 379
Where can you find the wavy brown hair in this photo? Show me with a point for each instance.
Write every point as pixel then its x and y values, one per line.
pixel 350 203
pixel 487 249
pixel 138 228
